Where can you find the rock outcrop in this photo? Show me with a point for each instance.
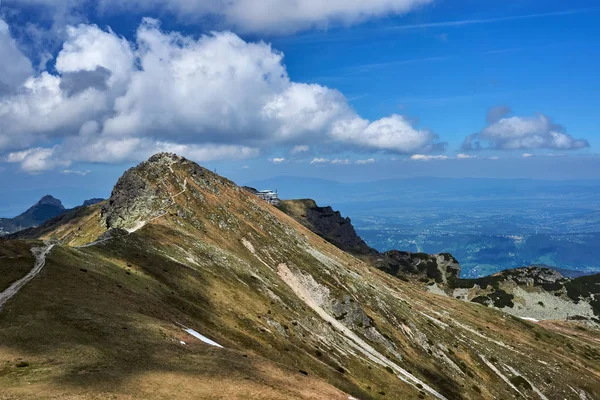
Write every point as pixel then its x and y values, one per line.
pixel 528 292
pixel 328 224
pixel 441 268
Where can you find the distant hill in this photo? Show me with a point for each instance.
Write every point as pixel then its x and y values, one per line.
pixel 47 208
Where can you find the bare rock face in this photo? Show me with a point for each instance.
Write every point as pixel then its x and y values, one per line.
pixel 533 276
pixel 138 196
pixel 442 268
pixel 131 200
pixel 328 224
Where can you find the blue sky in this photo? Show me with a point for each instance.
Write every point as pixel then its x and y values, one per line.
pixel 346 90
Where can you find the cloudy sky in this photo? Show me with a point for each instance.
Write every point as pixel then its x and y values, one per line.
pixel 348 89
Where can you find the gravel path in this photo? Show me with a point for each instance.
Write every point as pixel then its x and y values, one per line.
pixel 40 254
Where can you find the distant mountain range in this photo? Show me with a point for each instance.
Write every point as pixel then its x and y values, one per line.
pixel 45 209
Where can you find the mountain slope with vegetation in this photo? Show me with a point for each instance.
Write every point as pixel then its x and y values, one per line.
pixel 134 287
pixel 536 293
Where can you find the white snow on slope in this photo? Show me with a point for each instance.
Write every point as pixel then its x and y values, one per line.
pixel 200 336
pixel 530 319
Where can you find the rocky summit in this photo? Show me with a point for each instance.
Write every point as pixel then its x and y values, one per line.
pixel 184 284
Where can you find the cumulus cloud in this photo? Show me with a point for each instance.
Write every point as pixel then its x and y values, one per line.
pixel 36 160
pixel 524 133
pixel 394 133
pixel 256 16
pixel 318 160
pixel 212 97
pixel 465 156
pixel 15 68
pixel 277 160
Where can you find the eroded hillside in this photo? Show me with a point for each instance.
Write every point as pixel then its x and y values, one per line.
pixel 179 250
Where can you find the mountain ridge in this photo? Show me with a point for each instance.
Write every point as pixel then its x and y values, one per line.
pixel 297 317
pixel 574 298
pixel 46 209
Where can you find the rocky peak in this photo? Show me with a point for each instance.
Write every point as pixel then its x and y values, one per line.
pixel 49 200
pixel 148 190
pixel 46 208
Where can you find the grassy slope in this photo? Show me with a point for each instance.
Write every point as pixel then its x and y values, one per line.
pixel 16 261
pixel 110 329
pixel 74 228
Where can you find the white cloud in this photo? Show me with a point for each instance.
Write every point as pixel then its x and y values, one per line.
pixel 522 133
pixel 339 161
pixel 364 162
pixel 300 149
pixel 392 133
pixel 15 68
pixel 465 156
pixel 277 160
pixel 208 98
pixel 36 160
pixel 527 155
pixel 257 16
pixel 318 160
pixel 425 157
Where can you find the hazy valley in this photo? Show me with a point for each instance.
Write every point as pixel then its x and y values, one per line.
pixel 487 224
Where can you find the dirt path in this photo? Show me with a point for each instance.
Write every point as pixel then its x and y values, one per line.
pixel 40 254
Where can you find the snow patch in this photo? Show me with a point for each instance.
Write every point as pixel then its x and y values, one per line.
pixel 530 319
pixel 200 336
